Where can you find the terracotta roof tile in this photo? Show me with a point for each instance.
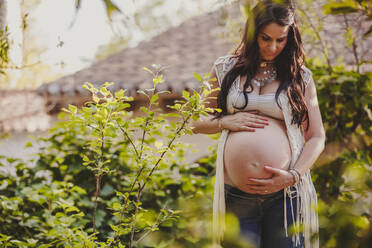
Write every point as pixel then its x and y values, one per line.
pixel 190 47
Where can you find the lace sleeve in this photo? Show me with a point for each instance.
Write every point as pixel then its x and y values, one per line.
pixel 222 65
pixel 306 74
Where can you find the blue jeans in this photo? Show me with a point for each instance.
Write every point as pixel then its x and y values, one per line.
pixel 261 217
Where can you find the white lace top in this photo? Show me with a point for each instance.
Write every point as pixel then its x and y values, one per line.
pixel 265 103
pixel 306 200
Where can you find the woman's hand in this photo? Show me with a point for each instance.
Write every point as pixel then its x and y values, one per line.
pixel 244 121
pixel 279 180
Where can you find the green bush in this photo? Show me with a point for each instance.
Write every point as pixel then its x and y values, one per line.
pixel 101 185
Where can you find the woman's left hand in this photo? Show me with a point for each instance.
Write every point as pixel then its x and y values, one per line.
pixel 279 180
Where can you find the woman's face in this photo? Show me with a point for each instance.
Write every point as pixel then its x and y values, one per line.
pixel 271 40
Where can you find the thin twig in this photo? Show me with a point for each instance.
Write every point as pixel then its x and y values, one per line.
pixel 130 140
pixel 16 67
pixel 95 128
pixel 324 49
pixel 98 189
pixel 99 175
pixel 155 225
pixel 168 147
pixel 354 45
pixel 135 217
pixel 143 138
pixel 126 200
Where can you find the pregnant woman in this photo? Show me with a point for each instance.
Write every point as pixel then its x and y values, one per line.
pixel 271 133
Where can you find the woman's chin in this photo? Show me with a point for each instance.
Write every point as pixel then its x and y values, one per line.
pixel 269 58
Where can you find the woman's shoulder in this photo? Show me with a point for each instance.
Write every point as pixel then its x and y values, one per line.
pixel 226 62
pixel 306 74
pixel 223 64
pixel 226 59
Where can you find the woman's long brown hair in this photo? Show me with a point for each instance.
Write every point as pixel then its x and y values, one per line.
pixel 288 63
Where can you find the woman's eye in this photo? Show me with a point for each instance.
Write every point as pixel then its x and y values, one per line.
pixel 265 38
pixel 280 40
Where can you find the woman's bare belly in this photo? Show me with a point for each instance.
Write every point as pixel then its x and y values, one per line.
pixel 246 153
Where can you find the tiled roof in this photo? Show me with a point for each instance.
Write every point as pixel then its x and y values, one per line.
pixel 190 47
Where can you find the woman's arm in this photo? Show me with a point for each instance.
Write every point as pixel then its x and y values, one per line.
pixel 315 135
pixel 241 121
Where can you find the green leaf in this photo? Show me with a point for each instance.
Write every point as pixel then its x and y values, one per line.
pixel 72 108
pixel 349 37
pixel 96 98
pixel 104 91
pixel 65 110
pixel 198 77
pixel 72 209
pixel 207 75
pixel 79 190
pixel 86 87
pixel 144 109
pixel 157 80
pixel 111 8
pixel 120 94
pixel 147 69
pixel 170 115
pixel 116 206
pixel 154 98
pixel 106 84
pixel 186 94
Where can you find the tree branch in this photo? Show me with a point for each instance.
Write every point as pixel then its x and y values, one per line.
pixel 135 217
pixel 322 44
pixel 130 140
pixel 354 45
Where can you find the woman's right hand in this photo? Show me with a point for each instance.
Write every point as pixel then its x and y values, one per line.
pixel 244 121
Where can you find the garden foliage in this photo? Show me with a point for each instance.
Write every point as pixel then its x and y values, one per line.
pixel 107 179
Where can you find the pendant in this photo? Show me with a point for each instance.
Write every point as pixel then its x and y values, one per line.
pixel 263 64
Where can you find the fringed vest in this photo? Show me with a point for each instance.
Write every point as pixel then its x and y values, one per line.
pixel 307 217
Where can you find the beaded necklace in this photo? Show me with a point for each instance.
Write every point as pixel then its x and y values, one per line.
pixel 270 75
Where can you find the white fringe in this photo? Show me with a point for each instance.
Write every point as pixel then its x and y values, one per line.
pixel 307 216
pixel 219 193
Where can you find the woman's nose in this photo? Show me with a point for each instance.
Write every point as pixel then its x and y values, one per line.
pixel 272 47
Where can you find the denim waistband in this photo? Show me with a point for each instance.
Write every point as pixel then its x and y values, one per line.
pixel 237 192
